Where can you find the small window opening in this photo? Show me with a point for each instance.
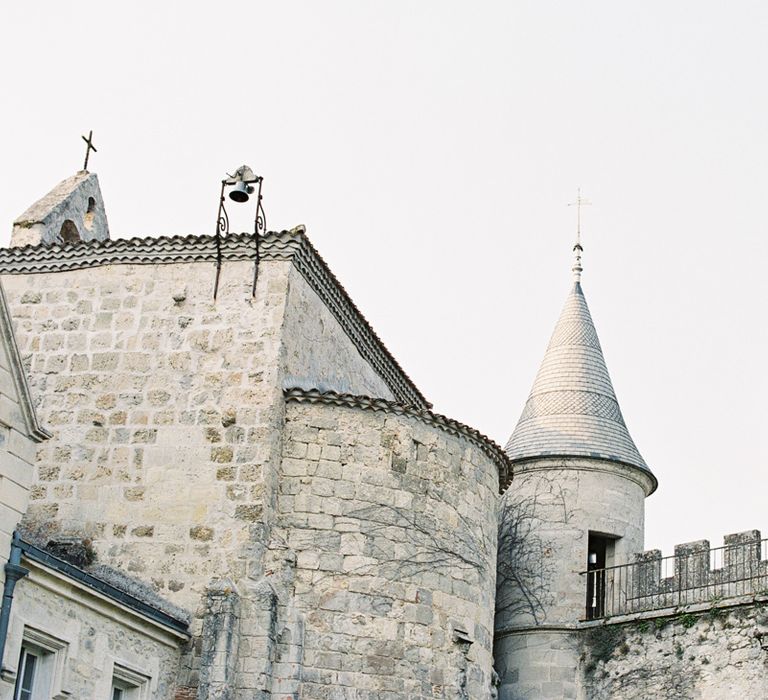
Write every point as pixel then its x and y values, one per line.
pixel 41 666
pixel 25 681
pixel 128 684
pixel 90 215
pixel 69 232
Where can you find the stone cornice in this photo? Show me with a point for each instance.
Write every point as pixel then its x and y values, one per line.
pixel 436 420
pixel 642 477
pixel 291 246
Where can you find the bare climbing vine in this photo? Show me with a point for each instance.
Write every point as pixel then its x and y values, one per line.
pixel 525 562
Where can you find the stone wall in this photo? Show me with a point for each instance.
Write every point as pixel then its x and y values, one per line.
pixel 392 523
pixel 550 508
pixel 19 435
pixel 706 655
pixel 83 638
pixel 165 409
pixel 318 354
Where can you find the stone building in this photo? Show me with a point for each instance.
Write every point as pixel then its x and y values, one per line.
pixel 258 460
pixel 239 493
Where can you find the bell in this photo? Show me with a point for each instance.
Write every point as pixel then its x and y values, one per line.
pixel 241 192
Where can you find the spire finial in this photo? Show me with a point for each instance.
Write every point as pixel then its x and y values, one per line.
pixel 577 249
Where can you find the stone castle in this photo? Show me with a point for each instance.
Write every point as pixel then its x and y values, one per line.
pixel 243 495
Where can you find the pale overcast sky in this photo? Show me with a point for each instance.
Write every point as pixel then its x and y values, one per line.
pixel 430 148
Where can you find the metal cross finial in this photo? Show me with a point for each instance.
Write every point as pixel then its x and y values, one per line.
pixel 90 147
pixel 577 249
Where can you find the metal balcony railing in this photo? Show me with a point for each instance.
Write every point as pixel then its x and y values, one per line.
pixel 696 573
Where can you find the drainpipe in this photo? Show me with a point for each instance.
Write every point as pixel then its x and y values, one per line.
pixel 14 571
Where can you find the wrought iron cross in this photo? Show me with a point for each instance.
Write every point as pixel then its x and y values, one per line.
pixel 90 147
pixel 579 203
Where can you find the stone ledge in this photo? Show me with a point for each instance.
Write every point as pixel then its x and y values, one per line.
pixel 692 609
pixel 448 425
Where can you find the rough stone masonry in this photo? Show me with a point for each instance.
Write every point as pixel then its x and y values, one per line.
pixel 263 462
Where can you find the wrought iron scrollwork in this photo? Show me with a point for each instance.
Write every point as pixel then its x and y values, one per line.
pixel 223 221
pixel 261 219
pixel 243 179
pixel 222 227
pixel 259 227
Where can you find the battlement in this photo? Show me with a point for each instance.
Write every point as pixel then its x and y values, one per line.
pixel 696 573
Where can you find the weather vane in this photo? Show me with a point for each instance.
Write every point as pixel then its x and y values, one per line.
pixel 577 249
pixel 90 147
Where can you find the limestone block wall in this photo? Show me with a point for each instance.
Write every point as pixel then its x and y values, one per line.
pixel 708 655
pixel 550 508
pixel 166 411
pixel 318 353
pixel 86 640
pixel 393 526
pixel 19 435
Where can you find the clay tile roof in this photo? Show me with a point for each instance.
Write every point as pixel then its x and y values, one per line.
pixel 572 410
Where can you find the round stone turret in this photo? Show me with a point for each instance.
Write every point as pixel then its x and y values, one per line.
pixel 576 503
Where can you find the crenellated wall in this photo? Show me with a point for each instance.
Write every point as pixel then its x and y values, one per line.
pixel 699 633
pixel 696 573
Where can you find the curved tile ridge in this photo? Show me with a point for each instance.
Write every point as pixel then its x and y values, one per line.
pixel 284 245
pixel 141 251
pixel 436 420
pixel 572 409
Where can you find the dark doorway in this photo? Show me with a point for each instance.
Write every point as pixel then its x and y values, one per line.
pixel 597 550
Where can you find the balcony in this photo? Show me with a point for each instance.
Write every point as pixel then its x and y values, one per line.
pixel 696 573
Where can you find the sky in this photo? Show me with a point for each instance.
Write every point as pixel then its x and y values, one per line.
pixel 431 148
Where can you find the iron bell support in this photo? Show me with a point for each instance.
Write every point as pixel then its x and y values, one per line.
pixel 243 183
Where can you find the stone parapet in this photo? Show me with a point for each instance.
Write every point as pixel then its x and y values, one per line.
pixel 696 573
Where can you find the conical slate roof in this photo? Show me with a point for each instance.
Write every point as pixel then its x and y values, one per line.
pixel 572 410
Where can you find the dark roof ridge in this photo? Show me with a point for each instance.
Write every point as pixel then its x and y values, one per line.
pixel 449 425
pixel 113 584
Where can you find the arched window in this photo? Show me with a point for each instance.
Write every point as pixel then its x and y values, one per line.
pixel 90 214
pixel 69 232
